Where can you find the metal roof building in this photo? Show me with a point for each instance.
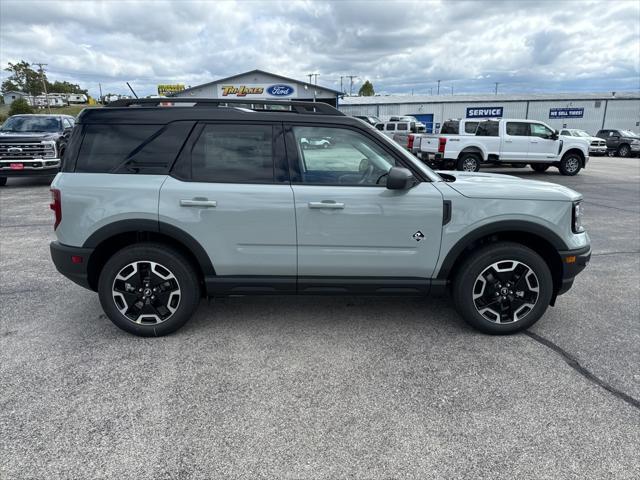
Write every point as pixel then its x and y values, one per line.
pixel 260 85
pixel 588 111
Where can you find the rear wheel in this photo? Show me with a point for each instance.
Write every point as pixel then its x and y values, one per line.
pixel 469 162
pixel 540 167
pixel 148 289
pixel 503 288
pixel 570 164
pixel 624 151
pixel 3 181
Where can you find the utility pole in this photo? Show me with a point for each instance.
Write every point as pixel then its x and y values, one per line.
pixel 351 77
pixel 44 84
pixel 438 88
pixel 100 87
pixel 316 75
pixel 309 75
pixel 431 91
pixel 497 87
pixel 341 89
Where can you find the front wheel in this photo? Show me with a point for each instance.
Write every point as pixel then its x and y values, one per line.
pixel 570 164
pixel 469 162
pixel 148 289
pixel 502 288
pixel 540 167
pixel 624 151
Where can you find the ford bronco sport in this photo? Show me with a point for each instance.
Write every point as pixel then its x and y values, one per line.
pixel 158 205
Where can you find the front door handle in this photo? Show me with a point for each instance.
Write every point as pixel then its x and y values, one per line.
pixel 329 204
pixel 508 141
pixel 198 202
pixel 534 141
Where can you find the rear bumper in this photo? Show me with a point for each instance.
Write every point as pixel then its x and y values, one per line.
pixel 573 262
pixel 72 262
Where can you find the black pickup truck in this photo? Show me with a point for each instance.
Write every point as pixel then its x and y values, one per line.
pixel 623 143
pixel 33 145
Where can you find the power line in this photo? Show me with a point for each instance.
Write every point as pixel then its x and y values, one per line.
pixel 44 84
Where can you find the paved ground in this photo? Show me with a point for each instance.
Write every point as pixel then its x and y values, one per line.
pixel 322 387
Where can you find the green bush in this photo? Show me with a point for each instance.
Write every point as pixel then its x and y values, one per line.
pixel 20 106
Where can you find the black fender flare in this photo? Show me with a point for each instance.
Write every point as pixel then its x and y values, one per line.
pixel 154 226
pixel 504 226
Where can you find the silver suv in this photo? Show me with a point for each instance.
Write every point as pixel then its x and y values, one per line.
pixel 158 205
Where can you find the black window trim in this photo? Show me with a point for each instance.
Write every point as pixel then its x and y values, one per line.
pixel 294 160
pixel 181 169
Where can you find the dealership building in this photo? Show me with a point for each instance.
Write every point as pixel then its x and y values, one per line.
pixel 260 85
pixel 587 111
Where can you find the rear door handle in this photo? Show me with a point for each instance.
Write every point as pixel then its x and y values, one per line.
pixel 328 204
pixel 198 202
pixel 508 141
pixel 534 141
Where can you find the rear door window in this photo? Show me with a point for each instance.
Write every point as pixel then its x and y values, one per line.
pixel 402 126
pixel 488 129
pixel 452 128
pixel 233 154
pixel 390 126
pixel 518 129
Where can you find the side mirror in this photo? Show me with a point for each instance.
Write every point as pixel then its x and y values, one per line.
pixel 554 135
pixel 399 179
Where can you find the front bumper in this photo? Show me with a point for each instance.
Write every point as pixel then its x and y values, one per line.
pixel 573 262
pixel 598 150
pixel 72 262
pixel 29 168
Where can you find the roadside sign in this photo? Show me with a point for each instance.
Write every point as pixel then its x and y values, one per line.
pixel 566 112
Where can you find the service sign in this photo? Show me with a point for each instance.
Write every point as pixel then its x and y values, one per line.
pixel 566 112
pixel 254 90
pixel 170 88
pixel 484 112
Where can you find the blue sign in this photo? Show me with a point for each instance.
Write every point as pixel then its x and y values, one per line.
pixel 566 112
pixel 484 112
pixel 280 90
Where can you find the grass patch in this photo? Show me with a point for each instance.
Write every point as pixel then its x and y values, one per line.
pixel 69 110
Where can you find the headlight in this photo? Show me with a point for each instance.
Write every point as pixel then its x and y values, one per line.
pixel 576 224
pixel 50 149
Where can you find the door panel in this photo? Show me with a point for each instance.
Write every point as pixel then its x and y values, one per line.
pixel 515 142
pixel 246 229
pixel 540 148
pixel 368 231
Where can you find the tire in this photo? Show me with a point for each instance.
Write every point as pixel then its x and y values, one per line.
pixel 469 162
pixel 502 262
pixel 540 167
pixel 121 289
pixel 624 150
pixel 570 164
pixel 3 181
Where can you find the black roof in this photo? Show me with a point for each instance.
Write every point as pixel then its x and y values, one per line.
pixel 164 110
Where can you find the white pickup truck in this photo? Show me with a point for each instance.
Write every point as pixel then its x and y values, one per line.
pixel 506 141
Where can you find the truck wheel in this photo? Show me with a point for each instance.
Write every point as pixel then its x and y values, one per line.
pixel 624 150
pixel 148 289
pixel 502 288
pixel 570 164
pixel 540 167
pixel 3 181
pixel 469 162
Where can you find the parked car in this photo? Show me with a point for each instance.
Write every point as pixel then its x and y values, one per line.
pixel 450 127
pixel 315 142
pixel 215 201
pixel 622 143
pixel 597 146
pixel 510 142
pixel 33 145
pixel 371 120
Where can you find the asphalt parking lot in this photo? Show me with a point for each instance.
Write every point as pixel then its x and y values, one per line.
pixel 323 387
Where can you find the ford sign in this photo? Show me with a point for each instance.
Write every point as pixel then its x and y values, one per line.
pixel 280 90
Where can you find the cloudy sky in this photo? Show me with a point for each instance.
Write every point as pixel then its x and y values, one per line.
pixel 401 47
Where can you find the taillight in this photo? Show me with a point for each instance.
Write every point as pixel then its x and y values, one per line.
pixel 410 139
pixel 56 206
pixel 442 142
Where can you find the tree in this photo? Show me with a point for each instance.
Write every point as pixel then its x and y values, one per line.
pixel 20 106
pixel 65 87
pixel 366 90
pixel 23 78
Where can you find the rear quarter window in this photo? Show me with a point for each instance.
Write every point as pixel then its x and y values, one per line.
pixel 149 149
pixel 451 128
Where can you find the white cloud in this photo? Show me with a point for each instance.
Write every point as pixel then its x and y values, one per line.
pixel 401 46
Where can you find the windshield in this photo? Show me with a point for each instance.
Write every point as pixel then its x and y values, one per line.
pixel 31 124
pixel 580 133
pixel 629 133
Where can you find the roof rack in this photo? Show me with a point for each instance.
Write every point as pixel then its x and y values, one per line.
pixel 296 106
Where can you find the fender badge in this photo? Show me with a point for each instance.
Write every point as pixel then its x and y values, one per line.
pixel 418 236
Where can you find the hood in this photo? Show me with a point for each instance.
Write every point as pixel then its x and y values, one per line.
pixel 6 137
pixel 493 185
